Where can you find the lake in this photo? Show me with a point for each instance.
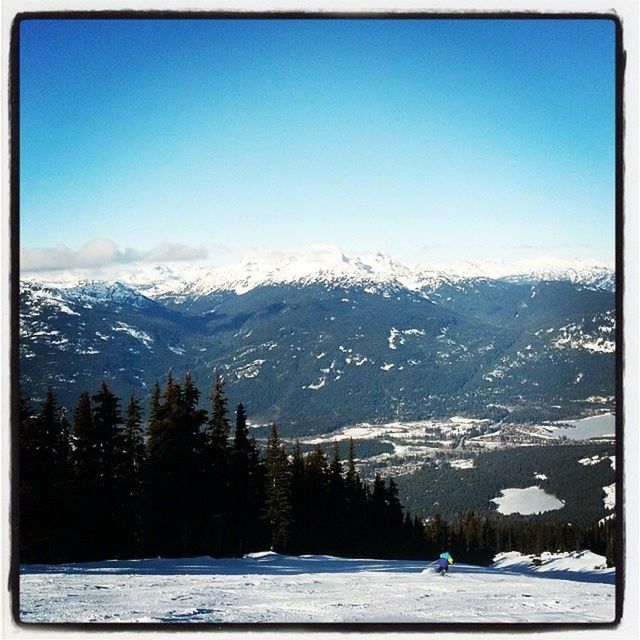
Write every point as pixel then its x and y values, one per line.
pixel 585 428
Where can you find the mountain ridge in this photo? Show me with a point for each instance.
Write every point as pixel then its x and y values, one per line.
pixel 358 342
pixel 375 272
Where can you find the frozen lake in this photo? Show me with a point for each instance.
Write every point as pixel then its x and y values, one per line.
pixel 526 501
pixel 593 427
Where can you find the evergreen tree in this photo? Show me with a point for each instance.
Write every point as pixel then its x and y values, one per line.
pixel 316 485
pixel 175 524
pixel 243 494
pixel 218 428
pixel 44 478
pixel 108 428
pixel 155 516
pixel 352 475
pixel 241 434
pixel 336 500
pixel 377 517
pixel 155 404
pixel 395 519
pixel 81 498
pixel 107 421
pixel 437 534
pixel 278 512
pixel 299 500
pixel 84 432
pixel 189 421
pixel 356 533
pixel 258 534
pixel 134 436
pixel 218 477
pixel 133 462
pixel 85 491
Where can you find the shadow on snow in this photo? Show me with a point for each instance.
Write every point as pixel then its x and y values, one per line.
pixel 271 563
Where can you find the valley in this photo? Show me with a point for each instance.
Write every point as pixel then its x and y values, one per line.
pixel 449 466
pixel 436 375
pixel 458 440
pixel 332 340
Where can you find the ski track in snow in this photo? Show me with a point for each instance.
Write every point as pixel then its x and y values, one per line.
pixel 267 587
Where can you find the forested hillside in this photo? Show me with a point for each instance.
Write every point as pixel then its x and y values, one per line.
pixel 556 469
pixel 103 483
pixel 320 349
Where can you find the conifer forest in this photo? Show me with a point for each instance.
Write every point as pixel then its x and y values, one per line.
pixel 114 480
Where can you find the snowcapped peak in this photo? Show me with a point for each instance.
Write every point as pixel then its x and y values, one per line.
pixel 95 291
pixel 599 275
pixel 323 264
pixel 315 264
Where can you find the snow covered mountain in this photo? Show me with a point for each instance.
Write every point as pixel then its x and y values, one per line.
pixel 330 266
pixel 587 273
pixel 318 338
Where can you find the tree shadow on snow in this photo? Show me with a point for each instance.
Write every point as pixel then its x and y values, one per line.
pixel 275 564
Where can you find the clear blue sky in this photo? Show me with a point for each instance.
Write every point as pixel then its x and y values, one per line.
pixel 423 138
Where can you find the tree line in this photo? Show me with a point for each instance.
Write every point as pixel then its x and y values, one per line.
pixel 102 482
pixel 476 538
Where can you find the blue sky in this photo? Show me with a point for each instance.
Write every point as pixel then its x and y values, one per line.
pixel 428 139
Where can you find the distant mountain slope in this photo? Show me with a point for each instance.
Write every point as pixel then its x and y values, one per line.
pixel 319 342
pixel 559 471
pixel 330 265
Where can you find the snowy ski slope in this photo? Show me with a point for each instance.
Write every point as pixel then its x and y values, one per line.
pixel 267 587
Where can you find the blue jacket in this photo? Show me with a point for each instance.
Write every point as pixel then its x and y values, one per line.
pixel 446 556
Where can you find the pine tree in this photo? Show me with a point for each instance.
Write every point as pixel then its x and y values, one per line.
pixel 394 518
pixel 133 462
pixel 218 428
pixel 108 427
pixel 177 505
pixel 299 500
pixel 608 529
pixel 377 516
pixel 336 503
pixel 155 404
pixel 278 513
pixel 243 493
pixel 157 517
pixel 356 533
pixel 217 464
pixel 437 533
pixel 190 420
pixel 258 535
pixel 44 478
pixel 352 476
pixel 241 434
pixel 134 436
pixel 85 491
pixel 316 485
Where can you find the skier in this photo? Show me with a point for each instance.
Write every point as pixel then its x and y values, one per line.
pixel 444 561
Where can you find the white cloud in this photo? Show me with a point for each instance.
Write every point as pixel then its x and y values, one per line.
pixel 171 252
pixel 102 252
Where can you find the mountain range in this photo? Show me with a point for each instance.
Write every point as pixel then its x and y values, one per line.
pixel 315 339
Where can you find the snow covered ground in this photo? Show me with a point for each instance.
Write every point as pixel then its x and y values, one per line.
pixel 267 587
pixel 526 501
